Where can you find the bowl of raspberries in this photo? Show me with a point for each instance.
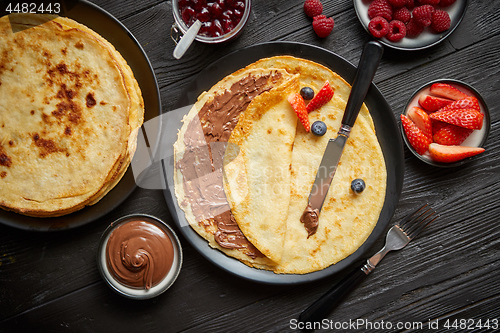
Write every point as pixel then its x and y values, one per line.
pixel 410 24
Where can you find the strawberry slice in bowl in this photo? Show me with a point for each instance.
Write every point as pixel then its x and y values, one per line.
pixel 463 120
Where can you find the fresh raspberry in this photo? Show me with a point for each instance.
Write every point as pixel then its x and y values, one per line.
pixel 380 8
pixel 322 25
pixel 397 31
pixel 313 8
pixel 423 15
pixel 410 4
pixel 402 14
pixel 378 27
pixel 429 2
pixel 397 3
pixel 413 29
pixel 446 3
pixel 440 20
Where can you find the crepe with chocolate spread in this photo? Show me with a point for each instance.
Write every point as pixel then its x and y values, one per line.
pixel 346 219
pixel 199 151
pixel 257 169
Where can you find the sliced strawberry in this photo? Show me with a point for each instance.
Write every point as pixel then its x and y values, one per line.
pixel 323 96
pixel 451 135
pixel 421 119
pixel 418 140
pixel 464 103
pixel 299 106
pixel 437 125
pixel 432 103
pixel 448 154
pixel 447 90
pixel 468 118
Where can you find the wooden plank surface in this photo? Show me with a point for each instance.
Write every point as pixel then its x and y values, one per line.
pixel 50 282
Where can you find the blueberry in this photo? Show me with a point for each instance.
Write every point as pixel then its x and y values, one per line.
pixel 358 185
pixel 318 128
pixel 307 93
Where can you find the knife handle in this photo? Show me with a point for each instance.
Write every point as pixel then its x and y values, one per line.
pixel 370 58
pixel 320 309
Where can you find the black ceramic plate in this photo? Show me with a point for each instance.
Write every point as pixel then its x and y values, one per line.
pixel 117 34
pixel 425 39
pixel 387 132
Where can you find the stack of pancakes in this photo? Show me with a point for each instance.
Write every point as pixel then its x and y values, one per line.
pixel 268 169
pixel 70 111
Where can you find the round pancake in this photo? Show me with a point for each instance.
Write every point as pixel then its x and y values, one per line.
pixel 346 219
pixel 200 192
pixel 257 169
pixel 70 110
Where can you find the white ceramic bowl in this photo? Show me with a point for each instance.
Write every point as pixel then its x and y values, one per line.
pixel 476 139
pixel 139 293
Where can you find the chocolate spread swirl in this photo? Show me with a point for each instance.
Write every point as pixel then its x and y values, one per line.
pixel 310 219
pixel 201 165
pixel 139 254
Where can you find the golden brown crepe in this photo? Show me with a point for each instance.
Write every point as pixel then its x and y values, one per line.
pixel 257 169
pixel 198 154
pixel 346 219
pixel 269 167
pixel 70 110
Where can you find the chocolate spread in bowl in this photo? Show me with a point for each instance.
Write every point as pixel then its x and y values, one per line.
pixel 201 165
pixel 139 254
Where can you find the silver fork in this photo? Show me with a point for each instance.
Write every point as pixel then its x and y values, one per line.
pixel 397 238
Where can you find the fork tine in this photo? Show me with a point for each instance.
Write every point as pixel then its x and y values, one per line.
pixel 414 223
pixel 410 218
pixel 424 220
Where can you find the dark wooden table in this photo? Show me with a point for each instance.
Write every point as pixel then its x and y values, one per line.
pixel 50 281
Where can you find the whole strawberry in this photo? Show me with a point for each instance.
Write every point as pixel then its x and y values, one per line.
pixel 313 8
pixel 323 25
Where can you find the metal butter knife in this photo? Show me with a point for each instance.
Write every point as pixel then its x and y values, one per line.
pixel 370 58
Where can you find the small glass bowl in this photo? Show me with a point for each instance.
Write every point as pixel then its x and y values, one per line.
pixel 180 25
pixel 136 293
pixel 476 139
